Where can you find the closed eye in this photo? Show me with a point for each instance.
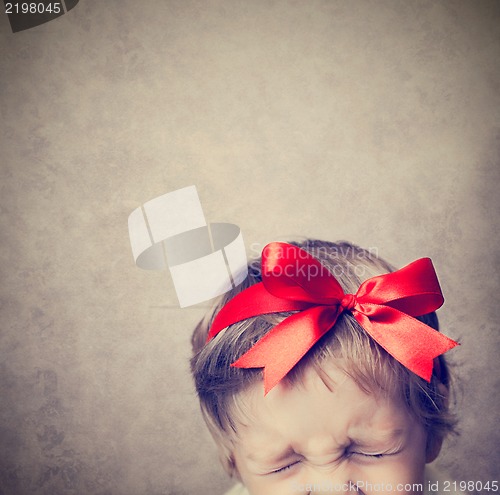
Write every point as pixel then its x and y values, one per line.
pixel 356 453
pixel 285 468
pixel 379 455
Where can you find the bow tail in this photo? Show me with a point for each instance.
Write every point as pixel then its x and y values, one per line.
pixel 409 341
pixel 285 345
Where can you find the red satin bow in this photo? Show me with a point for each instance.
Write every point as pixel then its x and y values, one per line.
pixel 293 280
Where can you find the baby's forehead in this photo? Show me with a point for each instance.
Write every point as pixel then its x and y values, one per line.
pixel 338 405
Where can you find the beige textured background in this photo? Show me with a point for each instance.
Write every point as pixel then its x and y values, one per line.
pixel 373 121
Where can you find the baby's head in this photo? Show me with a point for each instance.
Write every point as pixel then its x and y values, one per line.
pixel 348 416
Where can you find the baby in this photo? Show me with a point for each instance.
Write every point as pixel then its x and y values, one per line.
pixel 323 373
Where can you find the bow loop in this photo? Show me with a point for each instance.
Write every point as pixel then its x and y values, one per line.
pixel 385 307
pixel 292 273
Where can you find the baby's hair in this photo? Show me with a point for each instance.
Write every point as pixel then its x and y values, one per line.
pixel 220 386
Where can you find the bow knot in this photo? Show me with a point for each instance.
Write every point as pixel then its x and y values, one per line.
pixel 348 302
pixel 384 306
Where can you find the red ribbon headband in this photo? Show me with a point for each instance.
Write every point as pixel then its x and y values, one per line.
pixel 385 306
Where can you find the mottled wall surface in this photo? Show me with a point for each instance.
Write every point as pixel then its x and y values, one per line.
pixel 373 121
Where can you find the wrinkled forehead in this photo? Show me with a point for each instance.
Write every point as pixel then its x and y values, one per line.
pixel 328 398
